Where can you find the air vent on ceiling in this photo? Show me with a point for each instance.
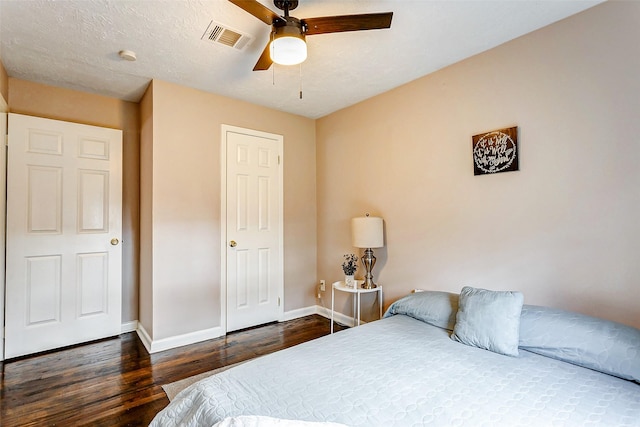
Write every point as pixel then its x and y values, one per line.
pixel 218 33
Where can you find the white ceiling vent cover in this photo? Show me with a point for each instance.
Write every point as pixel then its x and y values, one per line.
pixel 218 33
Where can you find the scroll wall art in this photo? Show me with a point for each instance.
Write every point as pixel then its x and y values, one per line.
pixel 496 151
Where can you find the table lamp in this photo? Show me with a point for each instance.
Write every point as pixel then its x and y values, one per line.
pixel 367 233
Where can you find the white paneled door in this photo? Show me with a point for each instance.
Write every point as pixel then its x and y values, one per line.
pixel 254 222
pixel 64 225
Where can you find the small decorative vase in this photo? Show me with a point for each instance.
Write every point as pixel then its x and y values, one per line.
pixel 349 281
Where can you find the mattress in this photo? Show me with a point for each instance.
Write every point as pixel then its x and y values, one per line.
pixel 400 371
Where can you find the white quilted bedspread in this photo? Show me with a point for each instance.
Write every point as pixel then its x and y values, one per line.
pixel 402 372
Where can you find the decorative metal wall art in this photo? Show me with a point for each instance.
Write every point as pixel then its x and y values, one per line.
pixel 496 151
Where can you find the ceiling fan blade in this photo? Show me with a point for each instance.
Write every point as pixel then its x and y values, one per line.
pixel 264 62
pixel 337 24
pixel 258 10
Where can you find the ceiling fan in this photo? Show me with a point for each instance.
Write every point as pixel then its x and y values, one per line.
pixel 287 44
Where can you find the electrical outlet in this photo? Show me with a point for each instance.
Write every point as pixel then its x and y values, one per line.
pixel 322 286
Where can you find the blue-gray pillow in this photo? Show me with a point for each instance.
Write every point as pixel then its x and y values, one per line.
pixel 436 308
pixel 602 345
pixel 489 320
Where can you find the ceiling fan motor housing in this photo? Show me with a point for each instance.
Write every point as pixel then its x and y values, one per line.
pixel 286 5
pixel 289 26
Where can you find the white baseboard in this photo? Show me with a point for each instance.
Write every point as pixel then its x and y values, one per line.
pixel 144 337
pixel 299 312
pixel 207 334
pixel 130 326
pixel 338 317
pixel 322 311
pixel 154 346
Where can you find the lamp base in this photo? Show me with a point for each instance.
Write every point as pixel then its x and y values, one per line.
pixel 366 285
pixel 368 260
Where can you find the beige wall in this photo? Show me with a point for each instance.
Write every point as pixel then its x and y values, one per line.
pixel 184 210
pixel 146 219
pixel 63 104
pixel 564 229
pixel 4 82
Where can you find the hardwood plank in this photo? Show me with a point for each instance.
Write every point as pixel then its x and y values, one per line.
pixel 115 382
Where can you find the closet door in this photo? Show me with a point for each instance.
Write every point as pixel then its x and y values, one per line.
pixel 254 227
pixel 64 225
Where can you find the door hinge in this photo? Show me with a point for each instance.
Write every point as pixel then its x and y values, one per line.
pixel 278 159
pixel 278 301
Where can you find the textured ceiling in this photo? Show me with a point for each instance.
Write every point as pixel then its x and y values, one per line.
pixel 75 44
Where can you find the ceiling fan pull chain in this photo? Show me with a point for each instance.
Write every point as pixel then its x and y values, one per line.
pixel 273 69
pixel 300 80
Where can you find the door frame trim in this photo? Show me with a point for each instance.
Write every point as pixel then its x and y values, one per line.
pixel 223 216
pixel 4 117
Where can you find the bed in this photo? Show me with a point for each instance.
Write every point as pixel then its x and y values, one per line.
pixel 436 358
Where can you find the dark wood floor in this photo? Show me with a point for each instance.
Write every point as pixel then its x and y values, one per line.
pixel 115 382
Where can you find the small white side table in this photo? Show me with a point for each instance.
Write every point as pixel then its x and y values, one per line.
pixel 357 291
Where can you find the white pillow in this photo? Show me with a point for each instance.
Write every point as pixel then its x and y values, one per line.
pixel 489 320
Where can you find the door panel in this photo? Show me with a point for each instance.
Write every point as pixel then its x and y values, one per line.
pixel 93 284
pixel 254 272
pixel 43 290
pixel 44 192
pixel 93 201
pixel 64 199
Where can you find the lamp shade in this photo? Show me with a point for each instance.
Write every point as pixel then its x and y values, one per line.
pixel 288 50
pixel 367 232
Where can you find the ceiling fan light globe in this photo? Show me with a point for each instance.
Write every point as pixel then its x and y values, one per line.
pixel 288 50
